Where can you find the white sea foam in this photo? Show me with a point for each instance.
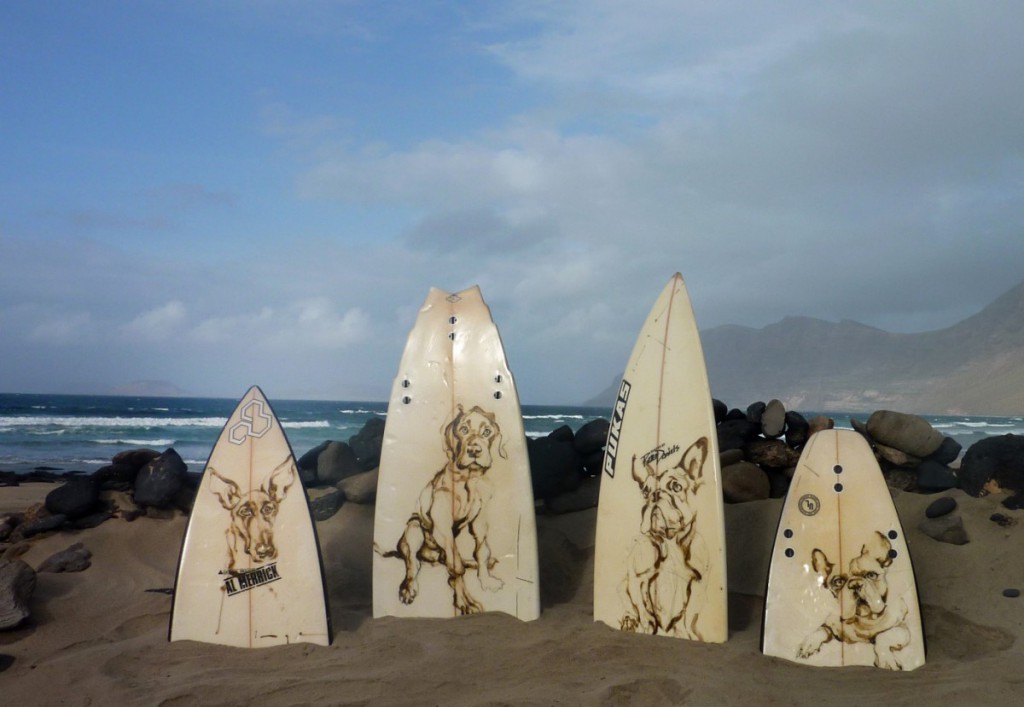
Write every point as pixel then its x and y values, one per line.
pixel 138 442
pixel 76 421
pixel 310 423
pixel 552 417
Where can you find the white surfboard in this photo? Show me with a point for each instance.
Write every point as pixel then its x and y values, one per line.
pixel 841 588
pixel 250 572
pixel 454 529
pixel 659 565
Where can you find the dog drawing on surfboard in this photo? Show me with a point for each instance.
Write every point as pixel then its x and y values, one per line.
pixel 664 564
pixel 455 499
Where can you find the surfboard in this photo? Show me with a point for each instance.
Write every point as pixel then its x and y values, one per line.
pixel 250 572
pixel 841 588
pixel 659 564
pixel 454 527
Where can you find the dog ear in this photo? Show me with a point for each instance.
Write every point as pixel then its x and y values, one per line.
pixel 694 458
pixel 450 438
pixel 820 563
pixel 280 480
pixel 878 548
pixel 226 490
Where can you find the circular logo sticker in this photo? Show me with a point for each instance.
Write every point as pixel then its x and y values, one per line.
pixel 809 504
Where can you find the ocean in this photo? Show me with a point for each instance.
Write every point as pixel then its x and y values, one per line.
pixel 67 433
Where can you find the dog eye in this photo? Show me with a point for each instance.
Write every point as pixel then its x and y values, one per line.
pixel 871 575
pixel 485 432
pixel 267 509
pixel 245 511
pixel 838 582
pixel 675 487
pixel 464 430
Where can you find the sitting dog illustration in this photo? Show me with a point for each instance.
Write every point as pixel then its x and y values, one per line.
pixel 662 565
pixel 456 498
pixel 865 615
pixel 251 530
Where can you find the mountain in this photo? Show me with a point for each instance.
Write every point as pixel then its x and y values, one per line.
pixel 975 367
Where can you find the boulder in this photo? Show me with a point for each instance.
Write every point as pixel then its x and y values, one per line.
pixel 75 558
pixel 75 498
pixel 325 506
pixel 940 507
pixel 755 411
pixel 562 434
pixel 591 437
pixel 555 467
pixel 797 429
pixel 583 497
pixel 947 453
pixel 819 423
pixel 908 433
pixel 946 529
pixel 772 453
pixel 993 463
pixel 895 456
pixel 933 477
pixel 367 443
pixel 861 427
pixel 39 525
pixel 720 410
pixel 734 434
pixel 136 458
pixel 307 463
pixel 730 456
pixel 779 481
pixel 159 482
pixel 17 582
pixel 118 477
pixel 744 482
pixel 773 419
pixel 360 488
pixel 335 462
pixel 593 463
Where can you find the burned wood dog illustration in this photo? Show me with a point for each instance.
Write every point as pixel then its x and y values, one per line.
pixel 663 564
pixel 252 512
pixel 865 613
pixel 456 498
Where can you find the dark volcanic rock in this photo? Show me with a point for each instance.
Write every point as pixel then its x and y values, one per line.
pixel 136 458
pixel 947 452
pixel 797 429
pixel 772 453
pixel 908 433
pixel 999 460
pixel 327 505
pixel 335 462
pixel 159 482
pixel 819 423
pixel 555 467
pixel 755 411
pixel 779 482
pixel 17 582
pixel 591 437
pixel 773 419
pixel 307 463
pixel 933 477
pixel 593 463
pixel 734 434
pixel 720 409
pixel 76 498
pixel 562 434
pixel 895 456
pixel 40 525
pixel 360 488
pixel 72 559
pixel 580 499
pixel 744 482
pixel 118 477
pixel 940 507
pixel 367 443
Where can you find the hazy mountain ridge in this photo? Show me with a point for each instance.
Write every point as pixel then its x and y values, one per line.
pixel 974 367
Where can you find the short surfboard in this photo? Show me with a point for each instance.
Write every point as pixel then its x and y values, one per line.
pixel 841 588
pixel 454 527
pixel 659 564
pixel 250 572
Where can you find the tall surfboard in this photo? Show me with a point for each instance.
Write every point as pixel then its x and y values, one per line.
pixel 659 565
pixel 841 588
pixel 454 528
pixel 250 572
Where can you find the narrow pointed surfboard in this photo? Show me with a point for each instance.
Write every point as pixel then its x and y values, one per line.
pixel 250 572
pixel 454 528
pixel 659 565
pixel 841 588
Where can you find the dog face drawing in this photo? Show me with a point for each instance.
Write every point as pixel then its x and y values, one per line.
pixel 865 613
pixel 661 567
pixel 252 513
pixel 457 497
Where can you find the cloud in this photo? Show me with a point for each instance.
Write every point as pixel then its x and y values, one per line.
pixel 157 324
pixel 296 326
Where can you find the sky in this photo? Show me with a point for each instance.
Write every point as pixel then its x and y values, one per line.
pixel 223 193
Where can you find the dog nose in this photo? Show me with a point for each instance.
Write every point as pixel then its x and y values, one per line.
pixel 264 550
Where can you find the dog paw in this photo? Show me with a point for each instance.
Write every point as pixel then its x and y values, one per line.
pixel 887 661
pixel 629 623
pixel 490 582
pixel 807 649
pixel 468 605
pixel 408 591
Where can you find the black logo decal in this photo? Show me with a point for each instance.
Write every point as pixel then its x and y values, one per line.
pixel 250 579
pixel 618 415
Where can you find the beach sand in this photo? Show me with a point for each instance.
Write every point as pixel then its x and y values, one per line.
pixel 100 636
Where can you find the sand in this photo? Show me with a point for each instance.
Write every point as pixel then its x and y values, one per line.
pixel 100 636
